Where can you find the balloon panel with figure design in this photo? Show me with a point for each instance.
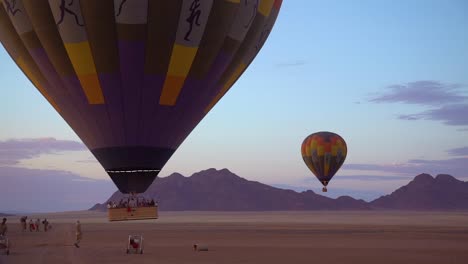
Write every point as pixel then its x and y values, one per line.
pixel 133 78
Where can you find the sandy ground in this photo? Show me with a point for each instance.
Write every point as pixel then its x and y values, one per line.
pixel 241 237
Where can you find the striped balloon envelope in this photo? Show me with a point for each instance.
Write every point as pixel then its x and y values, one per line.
pixel 133 78
pixel 324 153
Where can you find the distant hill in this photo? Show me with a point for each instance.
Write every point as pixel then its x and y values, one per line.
pixel 424 192
pixel 222 190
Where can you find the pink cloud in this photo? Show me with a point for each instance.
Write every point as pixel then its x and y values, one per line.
pixel 422 93
pixel 14 150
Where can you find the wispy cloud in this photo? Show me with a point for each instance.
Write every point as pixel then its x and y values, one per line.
pixel 14 150
pixel 454 115
pixel 374 178
pixel 463 151
pixel 291 64
pixel 457 167
pixel 422 93
pixel 395 168
pixel 451 102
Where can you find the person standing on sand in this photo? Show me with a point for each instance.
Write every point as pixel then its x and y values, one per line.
pixel 23 223
pixel 78 234
pixel 31 225
pixel 3 227
pixel 38 222
pixel 46 224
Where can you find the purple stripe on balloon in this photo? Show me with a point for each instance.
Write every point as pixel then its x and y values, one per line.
pixel 151 116
pixel 66 103
pixel 188 106
pixel 208 88
pixel 95 116
pixel 132 62
pixel 170 125
pixel 112 91
pixel 197 95
pixel 218 67
pixel 222 62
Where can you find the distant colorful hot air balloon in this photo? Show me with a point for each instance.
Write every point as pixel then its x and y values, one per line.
pixel 324 153
pixel 134 77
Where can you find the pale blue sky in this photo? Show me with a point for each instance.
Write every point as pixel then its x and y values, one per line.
pixel 319 70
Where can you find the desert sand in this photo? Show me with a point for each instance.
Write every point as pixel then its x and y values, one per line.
pixel 250 237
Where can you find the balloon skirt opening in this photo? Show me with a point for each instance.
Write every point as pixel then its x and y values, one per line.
pixel 133 181
pixel 133 168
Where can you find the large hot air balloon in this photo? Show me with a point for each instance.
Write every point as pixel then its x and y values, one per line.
pixel 134 77
pixel 324 153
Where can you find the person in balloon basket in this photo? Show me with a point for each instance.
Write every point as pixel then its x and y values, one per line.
pixel 3 227
pixel 78 233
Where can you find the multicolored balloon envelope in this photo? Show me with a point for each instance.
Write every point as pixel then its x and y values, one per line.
pixel 134 77
pixel 324 153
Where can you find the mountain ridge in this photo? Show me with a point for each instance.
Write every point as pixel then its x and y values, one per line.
pixel 222 190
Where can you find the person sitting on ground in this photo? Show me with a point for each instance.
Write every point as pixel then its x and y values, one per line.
pixel 3 227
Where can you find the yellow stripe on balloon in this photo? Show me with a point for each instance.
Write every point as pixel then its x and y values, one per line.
pixel 82 60
pixel 307 150
pixel 334 150
pixel 311 166
pixel 234 1
pixel 92 88
pixel 265 7
pixel 23 66
pixel 179 66
pixel 234 76
pixel 313 145
pixel 320 150
pixel 326 169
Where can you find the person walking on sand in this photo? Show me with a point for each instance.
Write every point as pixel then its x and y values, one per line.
pixel 3 227
pixel 79 235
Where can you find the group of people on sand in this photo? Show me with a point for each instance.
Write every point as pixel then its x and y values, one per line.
pixel 34 225
pixel 131 202
pixel 3 227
